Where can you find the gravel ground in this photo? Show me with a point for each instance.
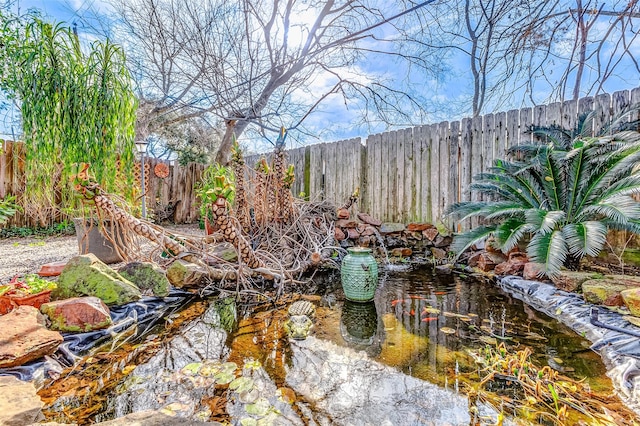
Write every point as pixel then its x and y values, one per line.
pixel 19 256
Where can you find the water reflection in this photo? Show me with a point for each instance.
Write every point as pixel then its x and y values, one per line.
pixel 359 322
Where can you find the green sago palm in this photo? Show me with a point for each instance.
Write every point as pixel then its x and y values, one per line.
pixel 561 196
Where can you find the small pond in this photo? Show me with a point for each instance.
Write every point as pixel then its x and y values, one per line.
pixel 428 326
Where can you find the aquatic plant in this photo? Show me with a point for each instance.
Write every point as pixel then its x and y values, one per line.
pixel 540 395
pixel 560 197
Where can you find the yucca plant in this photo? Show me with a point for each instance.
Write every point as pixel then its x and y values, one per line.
pixel 561 197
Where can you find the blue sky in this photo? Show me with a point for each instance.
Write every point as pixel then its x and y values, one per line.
pixel 444 97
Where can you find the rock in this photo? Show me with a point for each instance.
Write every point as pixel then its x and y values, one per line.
pixel 438 253
pixel 513 266
pixel 631 298
pixel 353 234
pixel 19 405
pixel 369 220
pixel 147 276
pixel 87 276
pixel 78 314
pixel 183 274
pixel 153 418
pixel 572 280
pixel 442 241
pixel 25 338
pixel 368 231
pixel 532 271
pixel 488 261
pixel 473 259
pixel 343 213
pixel 430 233
pixel 342 223
pixel 389 227
pixel 52 269
pixel 604 291
pixel 413 227
pixel 337 233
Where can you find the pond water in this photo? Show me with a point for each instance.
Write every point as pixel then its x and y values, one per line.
pixel 428 326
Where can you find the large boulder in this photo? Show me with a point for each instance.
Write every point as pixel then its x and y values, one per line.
pixel 25 337
pixel 147 277
pixel 78 314
pixel 19 405
pixel 87 276
pixel 572 280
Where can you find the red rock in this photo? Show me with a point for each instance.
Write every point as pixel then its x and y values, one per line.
pixel 52 269
pixel 78 314
pixel 406 252
pixel 518 256
pixel 430 233
pixel 417 227
pixel 510 267
pixel 488 261
pixel 532 271
pixel 438 253
pixel 343 213
pixel 339 235
pixel 25 338
pixel 473 259
pixel 368 230
pixel 343 223
pixel 369 220
pixel 353 234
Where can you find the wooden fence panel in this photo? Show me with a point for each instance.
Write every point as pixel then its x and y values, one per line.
pixel 424 166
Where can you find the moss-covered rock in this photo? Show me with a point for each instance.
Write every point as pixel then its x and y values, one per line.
pixel 572 280
pixel 604 291
pixel 77 315
pixel 87 276
pixel 182 274
pixel 147 276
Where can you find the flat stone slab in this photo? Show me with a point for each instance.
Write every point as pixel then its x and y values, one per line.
pixel 24 337
pixel 19 405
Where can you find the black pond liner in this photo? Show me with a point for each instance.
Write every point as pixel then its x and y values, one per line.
pixel 144 313
pixel 612 336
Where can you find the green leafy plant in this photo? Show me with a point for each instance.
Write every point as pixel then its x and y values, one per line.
pixel 560 197
pixel 77 105
pixel 29 284
pixel 216 181
pixel 8 208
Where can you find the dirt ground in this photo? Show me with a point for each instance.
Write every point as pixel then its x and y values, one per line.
pixel 19 256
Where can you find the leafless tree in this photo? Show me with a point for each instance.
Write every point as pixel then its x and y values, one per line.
pixel 261 63
pixel 485 36
pixel 585 45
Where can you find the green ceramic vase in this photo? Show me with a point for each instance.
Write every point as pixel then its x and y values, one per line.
pixel 359 274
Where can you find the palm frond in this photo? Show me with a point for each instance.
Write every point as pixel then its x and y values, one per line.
pixel 550 250
pixel 618 208
pixel 463 241
pixel 510 232
pixel 585 238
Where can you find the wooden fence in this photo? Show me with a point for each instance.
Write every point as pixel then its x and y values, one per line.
pixel 408 175
pixel 177 188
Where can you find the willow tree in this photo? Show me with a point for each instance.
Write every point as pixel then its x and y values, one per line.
pixel 76 106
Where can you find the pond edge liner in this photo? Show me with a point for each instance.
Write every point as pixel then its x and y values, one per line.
pixel 619 350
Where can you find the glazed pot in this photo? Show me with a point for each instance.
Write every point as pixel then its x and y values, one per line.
pixel 359 275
